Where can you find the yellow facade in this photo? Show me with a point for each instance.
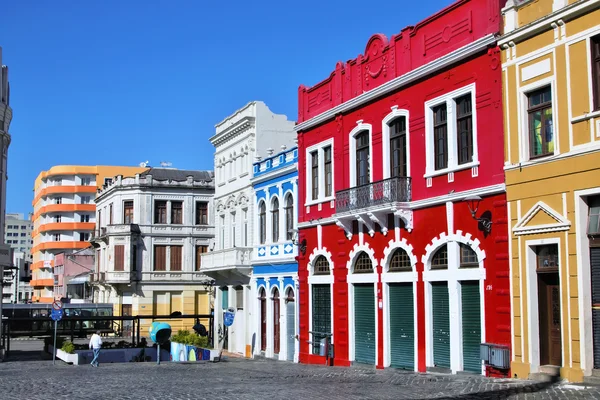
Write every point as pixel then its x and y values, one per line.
pixel 546 45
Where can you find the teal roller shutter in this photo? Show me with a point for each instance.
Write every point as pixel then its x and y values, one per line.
pixel 441 324
pixel 471 326
pixel 364 324
pixel 402 332
pixel 225 298
pixel 321 314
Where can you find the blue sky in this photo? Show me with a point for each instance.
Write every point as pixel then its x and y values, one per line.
pixel 116 82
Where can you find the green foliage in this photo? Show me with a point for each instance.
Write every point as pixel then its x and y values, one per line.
pixel 191 339
pixel 68 347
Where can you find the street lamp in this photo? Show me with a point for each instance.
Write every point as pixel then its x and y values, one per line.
pixel 473 204
pixel 301 244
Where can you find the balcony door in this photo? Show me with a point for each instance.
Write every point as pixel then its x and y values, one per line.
pixel 398 148
pixel 362 159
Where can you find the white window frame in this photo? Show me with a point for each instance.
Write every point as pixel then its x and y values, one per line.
pixel 359 128
pixel 321 198
pixel 523 99
pixel 385 129
pixel 449 99
pixel 320 280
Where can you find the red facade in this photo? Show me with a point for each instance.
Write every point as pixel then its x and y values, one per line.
pixel 450 59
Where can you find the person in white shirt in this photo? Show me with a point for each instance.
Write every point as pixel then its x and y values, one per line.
pixel 95 345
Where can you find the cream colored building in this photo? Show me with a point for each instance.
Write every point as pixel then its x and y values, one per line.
pixel 151 231
pixel 551 78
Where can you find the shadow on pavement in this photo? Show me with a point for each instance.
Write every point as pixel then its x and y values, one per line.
pixel 505 393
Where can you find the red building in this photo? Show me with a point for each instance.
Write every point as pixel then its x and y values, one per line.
pixel 394 146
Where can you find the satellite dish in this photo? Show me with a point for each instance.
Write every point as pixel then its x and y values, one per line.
pixel 143 164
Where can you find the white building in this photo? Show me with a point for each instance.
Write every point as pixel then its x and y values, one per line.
pixel 17 233
pixel 152 230
pixel 16 287
pixel 249 132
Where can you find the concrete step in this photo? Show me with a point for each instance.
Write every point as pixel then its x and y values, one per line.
pixel 592 380
pixel 542 377
pixel 596 372
pixel 552 370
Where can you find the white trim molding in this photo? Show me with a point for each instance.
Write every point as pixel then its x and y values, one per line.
pixel 318 279
pixel 452 131
pixel 395 277
pixel 454 276
pixel 359 128
pixel 361 277
pixel 426 70
pixel 385 129
pixel 320 148
pixel 561 224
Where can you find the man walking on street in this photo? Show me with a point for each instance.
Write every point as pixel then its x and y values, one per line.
pixel 95 345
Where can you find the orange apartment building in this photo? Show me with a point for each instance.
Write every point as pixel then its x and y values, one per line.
pixel 64 216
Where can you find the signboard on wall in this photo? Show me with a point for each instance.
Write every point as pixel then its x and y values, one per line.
pixel 6 255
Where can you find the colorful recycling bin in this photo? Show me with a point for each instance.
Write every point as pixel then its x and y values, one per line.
pixel 159 332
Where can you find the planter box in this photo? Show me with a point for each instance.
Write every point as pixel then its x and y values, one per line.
pixel 185 352
pixel 81 357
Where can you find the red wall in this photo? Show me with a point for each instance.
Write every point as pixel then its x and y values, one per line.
pixel 450 29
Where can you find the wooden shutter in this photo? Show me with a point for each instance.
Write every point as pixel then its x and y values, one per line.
pixel 176 258
pixel 199 251
pixel 160 258
pixel 119 257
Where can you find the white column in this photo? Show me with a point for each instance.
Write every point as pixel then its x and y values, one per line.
pixel 252 321
pixel 297 305
pixel 282 322
pixel 454 304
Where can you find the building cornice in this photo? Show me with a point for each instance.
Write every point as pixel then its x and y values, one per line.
pixel 397 83
pixel 276 173
pixel 238 128
pixel 569 12
pixel 429 202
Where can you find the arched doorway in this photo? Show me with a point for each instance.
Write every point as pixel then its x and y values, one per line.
pixel 290 307
pixel 364 310
pixel 263 319
pixel 275 321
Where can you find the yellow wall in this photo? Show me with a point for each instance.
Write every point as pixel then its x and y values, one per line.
pixel 559 58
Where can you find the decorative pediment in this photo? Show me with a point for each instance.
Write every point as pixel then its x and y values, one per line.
pixel 541 218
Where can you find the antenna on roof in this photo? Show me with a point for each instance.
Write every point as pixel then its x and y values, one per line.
pixel 143 164
pixel 165 164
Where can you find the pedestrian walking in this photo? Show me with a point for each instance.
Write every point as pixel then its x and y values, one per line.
pixel 95 345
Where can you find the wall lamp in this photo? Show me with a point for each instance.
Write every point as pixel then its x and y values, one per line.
pixel 300 243
pixel 485 219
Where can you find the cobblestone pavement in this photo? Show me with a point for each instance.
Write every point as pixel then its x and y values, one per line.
pixel 258 379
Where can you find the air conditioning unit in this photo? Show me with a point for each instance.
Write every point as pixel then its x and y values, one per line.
pixel 495 355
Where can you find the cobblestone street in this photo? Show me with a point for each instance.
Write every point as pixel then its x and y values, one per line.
pixel 258 379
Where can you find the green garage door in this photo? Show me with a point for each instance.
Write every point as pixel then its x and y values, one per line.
pixel 471 326
pixel 402 328
pixel 441 324
pixel 364 324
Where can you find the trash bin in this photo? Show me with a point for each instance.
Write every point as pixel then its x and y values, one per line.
pixel 323 347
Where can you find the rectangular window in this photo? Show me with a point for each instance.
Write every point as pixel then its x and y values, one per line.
pixel 160 258
pixel 362 159
pixel 160 212
pixel 595 41
pixel 245 228
pixel 464 128
pixel 128 212
pixel 84 200
pixel 315 174
pixel 201 213
pixel 222 232
pixel 176 258
pixel 57 237
pixel 134 258
pixel 594 216
pixel 440 136
pixel 108 181
pixel 328 171
pixel 57 200
pixel 199 251
pixel 177 212
pixel 85 181
pixel 84 218
pixel 110 214
pixel 233 230
pixel 57 218
pixel 119 257
pixel 541 130
pixel 84 236
pixel 99 218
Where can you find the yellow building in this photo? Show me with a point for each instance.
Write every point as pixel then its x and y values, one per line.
pixel 64 217
pixel 551 68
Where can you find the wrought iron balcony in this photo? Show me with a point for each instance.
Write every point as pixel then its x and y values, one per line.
pixel 392 190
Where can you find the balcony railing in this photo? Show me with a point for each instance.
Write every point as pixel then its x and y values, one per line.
pixel 392 190
pixel 227 258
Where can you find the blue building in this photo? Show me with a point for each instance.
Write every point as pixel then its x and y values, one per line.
pixel 274 279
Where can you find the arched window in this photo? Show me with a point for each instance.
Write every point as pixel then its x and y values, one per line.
pixel 468 257
pixel 362 159
pixel 289 296
pixel 440 258
pixel 321 266
pixel 289 216
pixel 400 261
pixel 262 222
pixel 363 264
pixel 275 219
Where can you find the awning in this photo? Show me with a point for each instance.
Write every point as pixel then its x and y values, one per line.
pixel 78 280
